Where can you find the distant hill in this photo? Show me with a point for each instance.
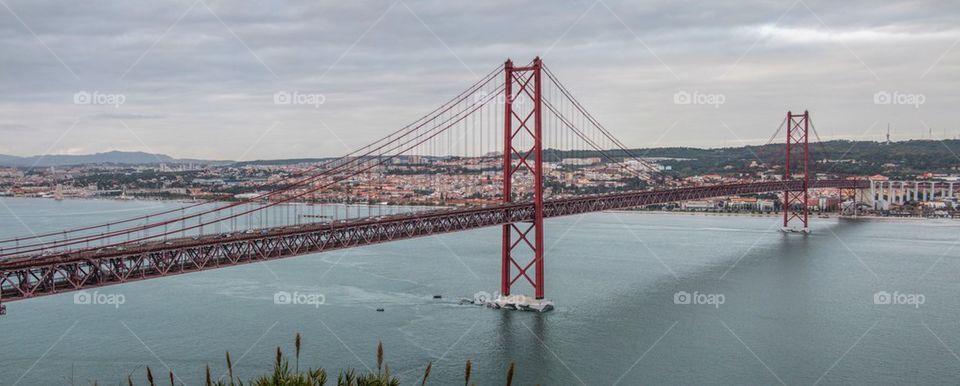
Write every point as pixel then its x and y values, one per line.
pixel 111 157
pixel 904 158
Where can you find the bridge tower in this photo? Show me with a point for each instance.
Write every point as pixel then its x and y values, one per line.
pixel 522 154
pixel 795 201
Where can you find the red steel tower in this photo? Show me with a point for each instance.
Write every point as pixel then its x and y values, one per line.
pixel 522 157
pixel 795 202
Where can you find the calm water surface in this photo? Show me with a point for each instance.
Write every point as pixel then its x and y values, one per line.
pixel 796 310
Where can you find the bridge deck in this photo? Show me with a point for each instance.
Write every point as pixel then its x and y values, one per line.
pixel 30 276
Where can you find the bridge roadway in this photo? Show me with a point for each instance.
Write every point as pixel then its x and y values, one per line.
pixel 30 276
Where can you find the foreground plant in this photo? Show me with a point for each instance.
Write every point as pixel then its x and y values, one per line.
pixel 284 375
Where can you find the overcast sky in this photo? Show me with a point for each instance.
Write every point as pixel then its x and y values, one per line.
pixel 197 77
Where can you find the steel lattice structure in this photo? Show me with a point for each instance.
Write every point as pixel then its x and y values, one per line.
pixel 30 277
pixel 795 201
pixel 523 151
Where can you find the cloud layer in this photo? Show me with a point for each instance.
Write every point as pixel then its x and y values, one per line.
pixel 198 77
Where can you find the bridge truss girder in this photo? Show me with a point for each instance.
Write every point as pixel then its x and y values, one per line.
pixel 72 271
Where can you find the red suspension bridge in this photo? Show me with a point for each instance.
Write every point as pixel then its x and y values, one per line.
pixel 513 125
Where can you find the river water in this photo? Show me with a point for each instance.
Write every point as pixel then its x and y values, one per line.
pixel 764 307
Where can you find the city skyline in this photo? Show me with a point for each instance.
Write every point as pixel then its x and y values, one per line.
pixel 173 78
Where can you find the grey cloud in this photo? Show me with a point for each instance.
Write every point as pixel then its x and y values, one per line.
pixel 127 116
pixel 197 81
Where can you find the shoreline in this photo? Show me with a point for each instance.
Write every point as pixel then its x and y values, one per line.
pixel 717 214
pixel 200 201
pixel 622 211
pixel 779 215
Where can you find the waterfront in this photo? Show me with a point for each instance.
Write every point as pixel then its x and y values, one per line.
pixel 795 308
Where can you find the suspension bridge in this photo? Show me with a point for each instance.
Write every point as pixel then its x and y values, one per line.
pixel 515 124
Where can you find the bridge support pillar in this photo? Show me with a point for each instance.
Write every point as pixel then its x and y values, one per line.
pixel 795 212
pixel 522 154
